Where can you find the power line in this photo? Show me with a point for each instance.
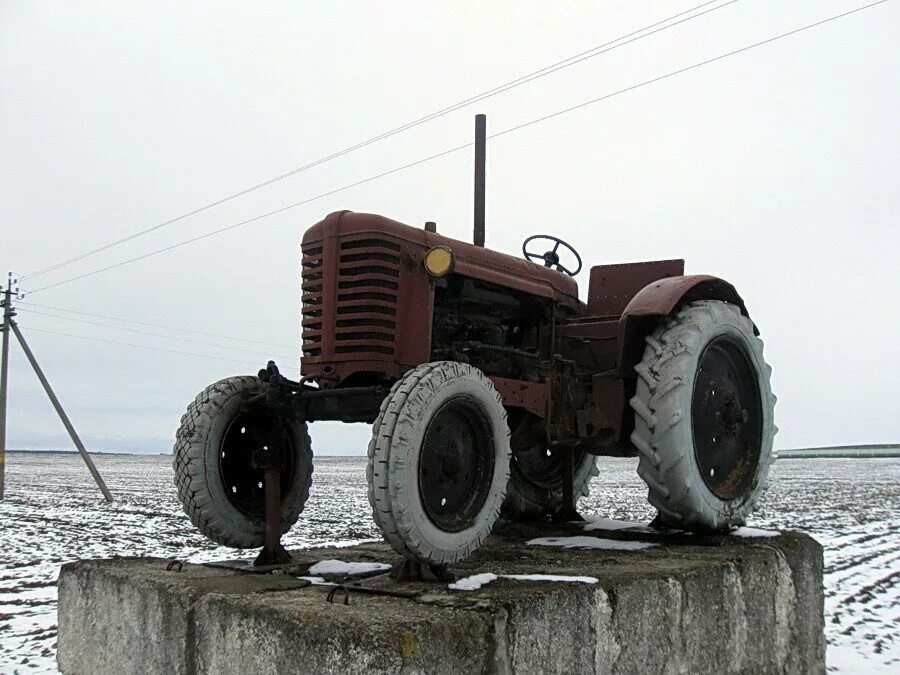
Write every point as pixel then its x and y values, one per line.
pixel 512 84
pixel 157 325
pixel 255 218
pixel 523 125
pixel 689 68
pixel 143 332
pixel 133 344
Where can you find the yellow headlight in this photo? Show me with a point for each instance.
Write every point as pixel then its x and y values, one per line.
pixel 439 261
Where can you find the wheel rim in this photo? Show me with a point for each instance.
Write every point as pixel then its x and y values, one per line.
pixel 456 464
pixel 726 418
pixel 243 484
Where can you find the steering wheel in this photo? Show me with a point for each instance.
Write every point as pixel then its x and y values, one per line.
pixel 551 257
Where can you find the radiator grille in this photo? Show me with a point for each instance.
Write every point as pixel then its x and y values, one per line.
pixel 311 299
pixel 363 304
pixel 366 303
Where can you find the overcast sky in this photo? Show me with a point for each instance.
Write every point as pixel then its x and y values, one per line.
pixel 776 169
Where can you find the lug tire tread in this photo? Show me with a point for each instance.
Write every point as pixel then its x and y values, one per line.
pixel 189 464
pixel 660 418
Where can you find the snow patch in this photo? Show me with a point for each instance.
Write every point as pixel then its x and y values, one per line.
pixel 476 581
pixel 611 524
pixel 315 580
pixel 754 532
pixel 473 583
pixel 342 567
pixel 592 542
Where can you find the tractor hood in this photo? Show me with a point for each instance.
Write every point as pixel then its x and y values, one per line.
pixel 470 260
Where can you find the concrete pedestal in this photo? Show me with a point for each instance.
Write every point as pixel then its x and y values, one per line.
pixel 714 604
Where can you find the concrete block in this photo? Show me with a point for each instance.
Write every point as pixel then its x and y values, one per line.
pixel 707 604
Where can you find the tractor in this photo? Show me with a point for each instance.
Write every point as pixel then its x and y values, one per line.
pixel 491 390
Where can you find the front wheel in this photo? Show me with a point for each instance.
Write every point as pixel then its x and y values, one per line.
pixel 704 417
pixel 220 490
pixel 439 462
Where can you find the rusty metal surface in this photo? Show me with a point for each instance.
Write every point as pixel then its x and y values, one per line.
pixel 610 403
pixel 590 343
pixel 471 260
pixel 568 511
pixel 414 570
pixel 590 328
pixel 273 553
pixel 663 295
pixel 358 289
pixel 367 302
pixel 531 396
pixel 613 286
pixel 659 299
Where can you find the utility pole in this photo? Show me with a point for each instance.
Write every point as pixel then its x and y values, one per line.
pixel 9 324
pixel 4 373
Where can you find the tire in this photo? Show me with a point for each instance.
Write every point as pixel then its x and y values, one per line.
pixel 678 414
pixel 403 448
pixel 200 466
pixel 529 498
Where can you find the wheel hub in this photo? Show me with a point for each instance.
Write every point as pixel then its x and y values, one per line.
pixel 253 441
pixel 726 418
pixel 733 416
pixel 456 464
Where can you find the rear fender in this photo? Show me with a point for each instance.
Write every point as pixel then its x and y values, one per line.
pixel 659 299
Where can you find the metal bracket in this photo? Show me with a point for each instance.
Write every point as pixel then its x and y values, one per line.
pixel 273 553
pixel 304 402
pixel 345 590
pixel 414 570
pixel 568 511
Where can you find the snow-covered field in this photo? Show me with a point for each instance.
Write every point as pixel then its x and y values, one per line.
pixel 53 513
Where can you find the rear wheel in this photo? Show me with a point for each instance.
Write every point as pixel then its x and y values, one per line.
pixel 535 483
pixel 439 462
pixel 220 490
pixel 704 417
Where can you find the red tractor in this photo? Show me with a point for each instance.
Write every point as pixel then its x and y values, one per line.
pixel 491 389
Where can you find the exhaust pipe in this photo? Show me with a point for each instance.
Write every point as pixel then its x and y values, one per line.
pixel 480 137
